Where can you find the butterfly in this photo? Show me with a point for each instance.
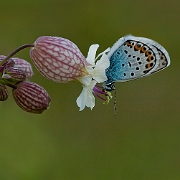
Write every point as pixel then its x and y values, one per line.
pixel 134 57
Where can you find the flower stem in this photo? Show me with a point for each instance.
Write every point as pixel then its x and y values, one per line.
pixel 11 85
pixel 16 51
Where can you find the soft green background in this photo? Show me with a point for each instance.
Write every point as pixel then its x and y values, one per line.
pixel 141 142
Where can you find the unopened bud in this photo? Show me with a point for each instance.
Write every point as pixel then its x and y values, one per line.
pixel 3 93
pixel 31 97
pixel 25 66
pixel 58 59
pixel 14 73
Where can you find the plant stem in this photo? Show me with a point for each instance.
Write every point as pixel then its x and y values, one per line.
pixel 16 51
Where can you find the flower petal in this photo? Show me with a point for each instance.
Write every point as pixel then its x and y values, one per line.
pixel 92 53
pixel 80 100
pixel 98 73
pixel 104 52
pixel 85 80
pixel 86 97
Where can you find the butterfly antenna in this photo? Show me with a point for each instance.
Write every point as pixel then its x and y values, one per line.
pixel 114 100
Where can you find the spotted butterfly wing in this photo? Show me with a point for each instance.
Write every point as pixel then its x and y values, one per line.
pixel 134 57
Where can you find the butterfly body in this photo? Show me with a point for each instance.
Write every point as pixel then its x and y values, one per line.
pixel 134 57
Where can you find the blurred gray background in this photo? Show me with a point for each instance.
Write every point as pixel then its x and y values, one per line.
pixel 141 142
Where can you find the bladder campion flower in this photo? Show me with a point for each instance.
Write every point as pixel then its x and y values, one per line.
pixel 96 70
pixel 24 66
pixel 3 92
pixel 16 73
pixel 60 60
pixel 17 67
pixel 31 97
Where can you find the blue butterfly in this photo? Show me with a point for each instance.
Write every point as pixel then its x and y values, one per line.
pixel 134 57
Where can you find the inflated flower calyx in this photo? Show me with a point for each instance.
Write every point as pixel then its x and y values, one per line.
pixel 31 97
pixel 3 93
pixel 16 74
pixel 20 64
pixel 58 59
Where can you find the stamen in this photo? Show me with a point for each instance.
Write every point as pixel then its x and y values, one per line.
pixel 99 91
pixel 99 96
pixel 99 86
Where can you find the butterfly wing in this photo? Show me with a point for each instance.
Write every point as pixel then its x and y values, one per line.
pixel 164 59
pixel 134 57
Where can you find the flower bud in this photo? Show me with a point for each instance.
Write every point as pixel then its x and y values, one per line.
pixel 21 64
pixel 58 59
pixel 9 63
pixel 16 74
pixel 25 66
pixel 3 93
pixel 31 97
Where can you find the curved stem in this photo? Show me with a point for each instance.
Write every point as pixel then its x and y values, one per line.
pixel 16 51
pixel 11 85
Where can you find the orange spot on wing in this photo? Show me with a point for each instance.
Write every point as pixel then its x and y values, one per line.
pixel 136 47
pixel 149 58
pixel 128 43
pixel 148 66
pixel 143 49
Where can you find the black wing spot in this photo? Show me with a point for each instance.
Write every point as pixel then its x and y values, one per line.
pixel 146 71
pixel 151 64
pixel 125 51
pixel 138 58
pixel 149 52
pixel 137 68
pixel 132 74
pixel 162 57
pixel 124 74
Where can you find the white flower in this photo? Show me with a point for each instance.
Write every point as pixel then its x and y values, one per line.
pixel 96 69
pixel 86 97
